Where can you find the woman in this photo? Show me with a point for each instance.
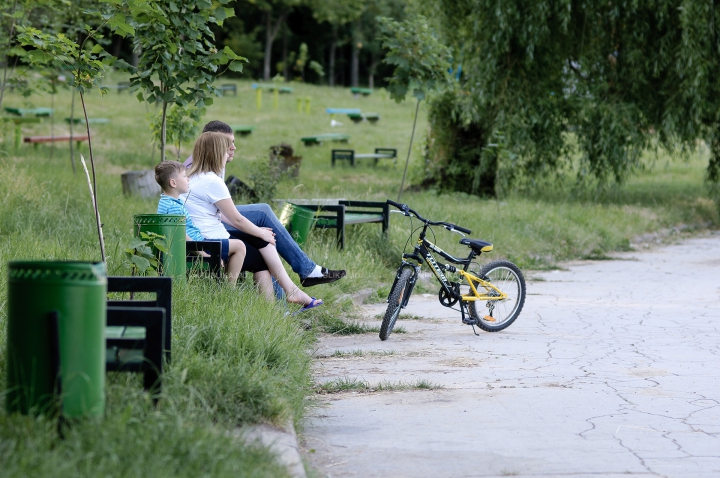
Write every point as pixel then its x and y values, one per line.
pixel 209 204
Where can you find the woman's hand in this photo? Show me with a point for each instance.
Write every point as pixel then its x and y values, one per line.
pixel 267 235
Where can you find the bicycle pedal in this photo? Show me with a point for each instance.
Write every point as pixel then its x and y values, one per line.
pixel 489 318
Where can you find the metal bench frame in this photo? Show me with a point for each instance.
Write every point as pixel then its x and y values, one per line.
pixel 331 216
pixel 349 155
pixel 154 315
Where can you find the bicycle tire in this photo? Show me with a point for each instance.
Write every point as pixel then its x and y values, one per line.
pixel 395 300
pixel 507 277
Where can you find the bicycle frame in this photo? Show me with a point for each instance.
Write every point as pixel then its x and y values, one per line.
pixel 422 253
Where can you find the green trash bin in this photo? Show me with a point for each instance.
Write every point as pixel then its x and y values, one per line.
pixel 298 221
pixel 43 358
pixel 171 226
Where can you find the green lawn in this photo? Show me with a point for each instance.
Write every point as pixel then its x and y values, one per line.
pixel 237 359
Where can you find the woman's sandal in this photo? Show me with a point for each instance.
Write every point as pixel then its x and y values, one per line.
pixel 313 303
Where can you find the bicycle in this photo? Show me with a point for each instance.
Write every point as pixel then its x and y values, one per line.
pixel 499 284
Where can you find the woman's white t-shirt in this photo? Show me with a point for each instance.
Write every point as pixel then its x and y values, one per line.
pixel 205 190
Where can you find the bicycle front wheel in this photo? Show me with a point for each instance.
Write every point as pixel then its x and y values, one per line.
pixel 495 315
pixel 395 301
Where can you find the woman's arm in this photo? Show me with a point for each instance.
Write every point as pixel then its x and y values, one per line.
pixel 228 210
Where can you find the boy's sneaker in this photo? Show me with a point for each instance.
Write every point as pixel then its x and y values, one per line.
pixel 327 277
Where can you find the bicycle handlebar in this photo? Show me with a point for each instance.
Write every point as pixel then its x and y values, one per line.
pixel 407 211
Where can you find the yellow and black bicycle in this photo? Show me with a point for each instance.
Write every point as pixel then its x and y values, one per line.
pixel 490 297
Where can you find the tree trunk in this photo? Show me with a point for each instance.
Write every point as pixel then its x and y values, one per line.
pixel 371 76
pixel 333 48
pixel 355 56
pixel 407 161
pixel 271 32
pixel 285 63
pixel 7 57
pixel 72 119
pixel 163 129
pixel 94 182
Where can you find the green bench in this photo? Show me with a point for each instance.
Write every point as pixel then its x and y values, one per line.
pixel 29 111
pixel 90 120
pixel 229 87
pixel 349 155
pixel 358 117
pixel 243 130
pixel 320 138
pixel 361 91
pixel 344 213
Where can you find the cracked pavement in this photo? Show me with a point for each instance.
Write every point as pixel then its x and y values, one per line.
pixel 611 369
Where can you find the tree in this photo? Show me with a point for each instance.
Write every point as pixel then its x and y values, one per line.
pixel 619 76
pixel 177 49
pixel 420 62
pixel 86 66
pixel 275 13
pixel 337 13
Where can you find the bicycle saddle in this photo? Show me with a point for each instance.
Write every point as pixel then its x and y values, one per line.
pixel 477 245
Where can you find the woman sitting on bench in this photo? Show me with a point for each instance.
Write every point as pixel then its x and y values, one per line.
pixel 209 204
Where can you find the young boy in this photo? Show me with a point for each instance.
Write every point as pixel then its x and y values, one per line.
pixel 173 180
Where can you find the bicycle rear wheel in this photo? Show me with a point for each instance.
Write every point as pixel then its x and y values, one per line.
pixel 495 315
pixel 395 301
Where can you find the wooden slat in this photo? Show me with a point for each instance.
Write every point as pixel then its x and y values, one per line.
pixel 52 139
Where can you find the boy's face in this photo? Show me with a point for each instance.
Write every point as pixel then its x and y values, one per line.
pixel 180 182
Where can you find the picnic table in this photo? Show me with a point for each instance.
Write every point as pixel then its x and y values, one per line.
pixel 29 111
pixel 271 87
pixel 349 155
pixel 342 111
pixel 90 120
pixel 361 91
pixel 320 138
pixel 358 117
pixel 243 129
pixel 19 121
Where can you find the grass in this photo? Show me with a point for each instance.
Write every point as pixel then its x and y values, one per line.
pixel 346 384
pixel 237 359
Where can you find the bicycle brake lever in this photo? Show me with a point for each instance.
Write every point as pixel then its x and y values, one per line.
pixel 452 229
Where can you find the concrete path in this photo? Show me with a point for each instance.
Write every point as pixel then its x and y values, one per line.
pixel 613 368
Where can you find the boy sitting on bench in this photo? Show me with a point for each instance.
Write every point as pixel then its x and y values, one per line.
pixel 173 180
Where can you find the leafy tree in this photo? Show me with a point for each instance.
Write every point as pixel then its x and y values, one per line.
pixel 621 77
pixel 182 125
pixel 421 64
pixel 177 49
pixel 86 66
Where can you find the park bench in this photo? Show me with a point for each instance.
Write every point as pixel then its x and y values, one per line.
pixel 271 87
pixel 229 87
pixel 90 120
pixel 358 117
pixel 29 111
pixel 349 155
pixel 35 140
pixel 139 332
pixel 361 91
pixel 123 85
pixel 320 138
pixel 197 263
pixel 243 129
pixel 344 213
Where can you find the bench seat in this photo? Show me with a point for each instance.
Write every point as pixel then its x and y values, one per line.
pixel 361 91
pixel 320 138
pixel 349 155
pixel 243 129
pixel 90 120
pixel 35 140
pixel 29 111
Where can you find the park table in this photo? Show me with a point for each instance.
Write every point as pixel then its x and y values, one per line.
pixel 29 111
pixel 19 121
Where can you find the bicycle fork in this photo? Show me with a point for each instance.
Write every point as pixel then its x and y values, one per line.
pixel 411 282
